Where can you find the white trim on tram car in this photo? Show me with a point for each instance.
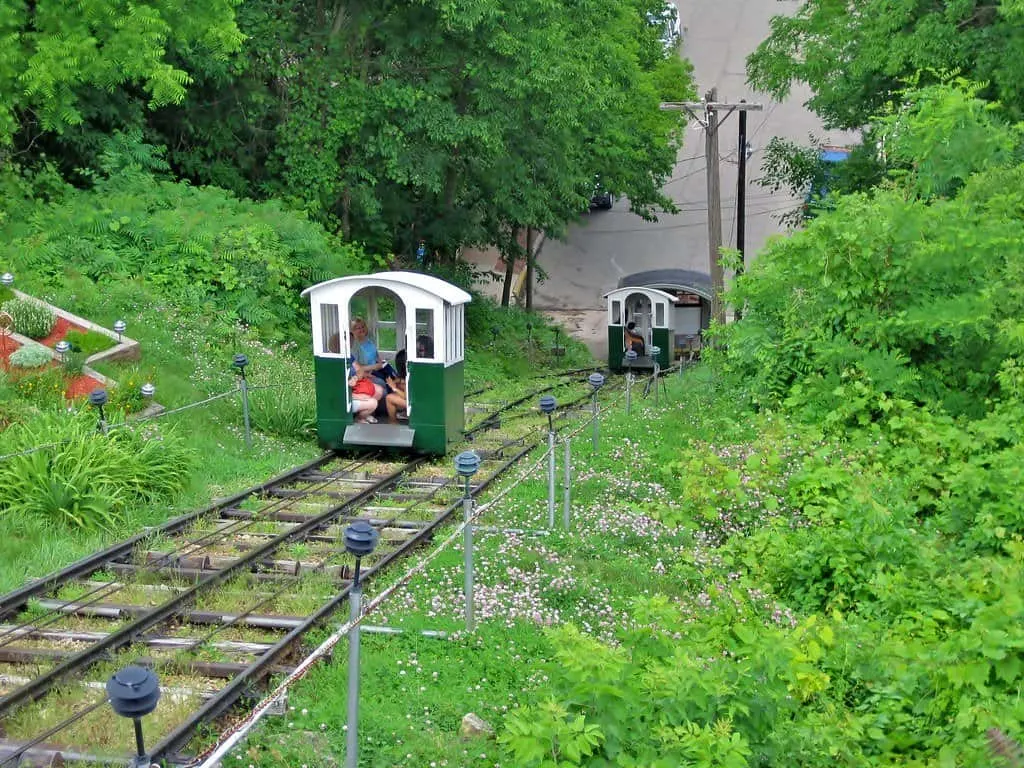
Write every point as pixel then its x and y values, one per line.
pixel 417 292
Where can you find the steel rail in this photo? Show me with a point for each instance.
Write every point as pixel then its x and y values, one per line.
pixel 228 695
pixel 103 591
pixel 18 597
pixel 126 634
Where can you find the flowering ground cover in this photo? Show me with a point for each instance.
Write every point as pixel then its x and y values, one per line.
pixel 617 557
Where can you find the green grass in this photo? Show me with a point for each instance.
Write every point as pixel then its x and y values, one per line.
pixel 416 689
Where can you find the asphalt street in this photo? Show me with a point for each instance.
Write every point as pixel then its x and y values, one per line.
pixel 718 35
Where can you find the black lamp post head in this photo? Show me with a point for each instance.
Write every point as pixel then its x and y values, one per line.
pixel 467 463
pixel 133 691
pixel 361 538
pixel 98 397
pixel 548 404
pixel 596 381
pixel 240 361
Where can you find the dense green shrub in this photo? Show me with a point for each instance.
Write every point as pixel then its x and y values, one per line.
pixel 30 356
pixel 204 249
pixel 88 342
pixel 86 480
pixel 6 294
pixel 31 318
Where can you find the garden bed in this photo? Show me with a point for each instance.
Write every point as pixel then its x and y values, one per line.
pixel 120 348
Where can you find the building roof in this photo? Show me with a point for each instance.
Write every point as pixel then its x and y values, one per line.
pixel 671 280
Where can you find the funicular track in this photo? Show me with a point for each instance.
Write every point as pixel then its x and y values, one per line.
pixel 214 601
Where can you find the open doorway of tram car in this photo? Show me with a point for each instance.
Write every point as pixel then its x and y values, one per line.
pixel 691 309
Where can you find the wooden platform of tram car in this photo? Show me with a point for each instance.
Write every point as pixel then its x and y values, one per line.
pixel 642 363
pixel 379 434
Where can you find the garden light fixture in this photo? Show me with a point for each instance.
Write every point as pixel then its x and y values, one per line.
pixel 360 540
pixel 147 390
pixel 98 398
pixel 596 381
pixel 134 692
pixel 548 405
pixel 62 348
pixel 238 363
pixel 120 326
pixel 6 279
pixel 630 359
pixel 495 332
pixel 467 464
pixel 655 351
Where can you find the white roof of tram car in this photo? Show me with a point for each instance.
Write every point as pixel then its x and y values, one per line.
pixel 402 283
pixel 621 293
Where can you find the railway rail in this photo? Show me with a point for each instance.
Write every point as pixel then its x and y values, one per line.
pixel 216 601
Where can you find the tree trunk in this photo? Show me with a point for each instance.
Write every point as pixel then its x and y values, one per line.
pixel 510 271
pixel 529 268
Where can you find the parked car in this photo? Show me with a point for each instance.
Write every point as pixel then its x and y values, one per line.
pixel 601 197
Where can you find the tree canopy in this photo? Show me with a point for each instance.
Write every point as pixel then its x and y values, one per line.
pixel 856 56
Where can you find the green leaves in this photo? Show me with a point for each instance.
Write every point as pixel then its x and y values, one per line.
pixel 85 480
pixel 50 57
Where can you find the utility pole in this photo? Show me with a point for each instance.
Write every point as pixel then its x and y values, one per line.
pixel 741 191
pixel 706 113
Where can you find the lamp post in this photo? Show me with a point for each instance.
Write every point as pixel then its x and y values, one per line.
pixel 529 332
pixel 98 398
pixel 547 406
pixel 630 359
pixel 134 692
pixel 495 332
pixel 466 464
pixel 655 351
pixel 147 390
pixel 360 540
pixel 596 381
pixel 239 362
pixel 120 326
pixel 62 348
pixel 6 279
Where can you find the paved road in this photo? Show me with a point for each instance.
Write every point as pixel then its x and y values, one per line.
pixel 608 244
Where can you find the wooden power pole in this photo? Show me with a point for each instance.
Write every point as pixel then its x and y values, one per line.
pixel 706 113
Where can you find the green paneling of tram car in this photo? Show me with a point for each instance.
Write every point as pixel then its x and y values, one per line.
pixel 437 417
pixel 660 337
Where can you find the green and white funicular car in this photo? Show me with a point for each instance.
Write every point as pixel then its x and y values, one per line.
pixel 420 314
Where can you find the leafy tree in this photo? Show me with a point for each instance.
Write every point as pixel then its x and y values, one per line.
pixel 80 68
pixel 856 56
pixel 899 293
pixel 452 126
